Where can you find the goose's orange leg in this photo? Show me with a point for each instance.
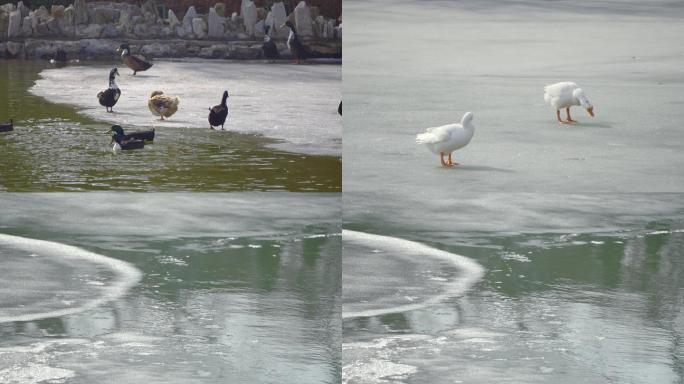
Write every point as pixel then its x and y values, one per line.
pixel 441 159
pixel 451 163
pixel 558 117
pixel 570 120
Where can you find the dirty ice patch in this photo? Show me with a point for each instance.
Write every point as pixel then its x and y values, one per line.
pixel 293 104
pixel 388 275
pixel 44 279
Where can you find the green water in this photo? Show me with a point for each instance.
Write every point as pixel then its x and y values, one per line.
pixel 233 290
pixel 53 148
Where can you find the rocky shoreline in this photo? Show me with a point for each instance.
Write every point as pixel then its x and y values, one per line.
pixel 93 30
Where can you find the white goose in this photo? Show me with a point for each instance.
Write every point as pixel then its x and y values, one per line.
pixel 448 138
pixel 564 95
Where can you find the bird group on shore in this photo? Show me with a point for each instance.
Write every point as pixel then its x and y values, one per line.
pixel 444 140
pixel 159 103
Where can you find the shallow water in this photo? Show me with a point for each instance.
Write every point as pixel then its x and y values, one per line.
pixel 578 228
pixel 234 288
pixel 54 148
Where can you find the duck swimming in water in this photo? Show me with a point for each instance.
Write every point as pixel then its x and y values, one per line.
pixel 117 131
pixel 218 113
pixel 564 95
pixel 110 96
pixel 124 142
pixel 134 63
pixel 445 139
pixel 8 126
pixel 269 47
pixel 296 47
pixel 162 105
pixel 59 59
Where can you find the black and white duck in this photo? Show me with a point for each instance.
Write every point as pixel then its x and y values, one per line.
pixel 110 96
pixel 269 47
pixel 124 142
pixel 296 47
pixel 134 63
pixel 59 59
pixel 117 131
pixel 218 113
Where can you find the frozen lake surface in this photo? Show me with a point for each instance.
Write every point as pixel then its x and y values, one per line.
pixel 204 288
pixel 578 227
pixel 295 104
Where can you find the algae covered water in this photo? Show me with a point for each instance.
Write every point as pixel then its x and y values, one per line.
pixel 203 288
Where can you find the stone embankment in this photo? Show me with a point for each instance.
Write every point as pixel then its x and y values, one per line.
pixel 94 30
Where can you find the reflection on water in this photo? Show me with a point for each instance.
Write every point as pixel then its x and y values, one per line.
pixel 54 149
pixel 564 308
pixel 235 297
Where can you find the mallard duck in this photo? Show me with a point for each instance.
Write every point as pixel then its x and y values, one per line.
pixel 269 47
pixel 162 105
pixel 218 113
pixel 124 142
pixel 448 138
pixel 296 47
pixel 110 96
pixel 8 126
pixel 134 63
pixel 564 95
pixel 117 131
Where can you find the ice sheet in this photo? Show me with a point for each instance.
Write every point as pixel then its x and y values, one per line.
pixel 295 104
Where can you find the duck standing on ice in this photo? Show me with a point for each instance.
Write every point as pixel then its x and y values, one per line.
pixel 564 95
pixel 445 139
pixel 110 96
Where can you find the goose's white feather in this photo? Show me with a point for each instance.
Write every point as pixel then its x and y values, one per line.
pixel 564 95
pixel 450 137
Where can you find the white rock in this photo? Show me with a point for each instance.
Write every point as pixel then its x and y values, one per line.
pixel 42 14
pixel 243 4
pixel 279 17
pixel 7 8
pixel 81 12
pixel 249 16
pixel 26 29
pixel 199 27
pixel 173 19
pixel 234 17
pixel 216 23
pixel 14 28
pixel 302 15
pixel 124 19
pixel 69 15
pixel 23 9
pixel 189 15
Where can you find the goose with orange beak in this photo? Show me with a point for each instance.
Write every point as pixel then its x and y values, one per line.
pixel 564 95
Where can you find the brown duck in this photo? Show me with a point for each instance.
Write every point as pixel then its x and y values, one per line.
pixel 134 63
